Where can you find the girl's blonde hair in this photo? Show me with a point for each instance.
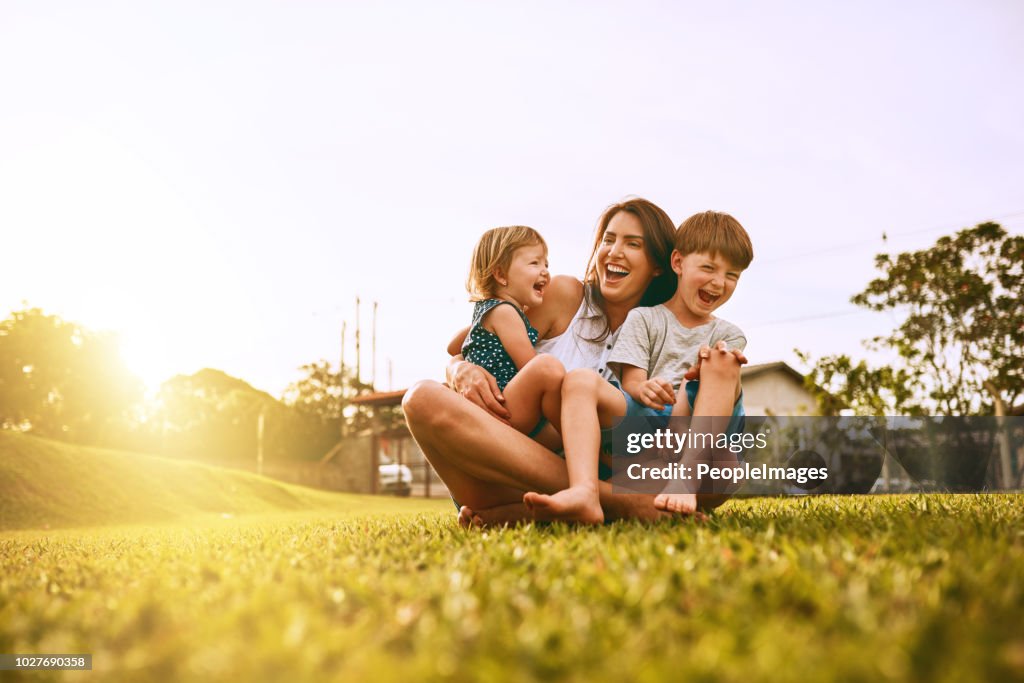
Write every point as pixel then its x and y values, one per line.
pixel 493 251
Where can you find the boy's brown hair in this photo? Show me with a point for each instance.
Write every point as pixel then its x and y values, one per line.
pixel 493 251
pixel 715 232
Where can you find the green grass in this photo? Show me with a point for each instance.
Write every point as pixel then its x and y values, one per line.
pixel 49 484
pixel 927 588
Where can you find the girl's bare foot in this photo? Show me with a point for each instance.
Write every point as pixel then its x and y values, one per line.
pixel 575 504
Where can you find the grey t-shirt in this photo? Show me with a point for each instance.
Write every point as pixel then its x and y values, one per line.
pixel 653 339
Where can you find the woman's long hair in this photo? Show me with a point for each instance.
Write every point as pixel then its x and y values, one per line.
pixel 659 236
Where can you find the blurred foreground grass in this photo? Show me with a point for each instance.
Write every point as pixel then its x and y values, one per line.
pixel 892 588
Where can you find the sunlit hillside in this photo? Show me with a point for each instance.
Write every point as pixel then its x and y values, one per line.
pixel 49 484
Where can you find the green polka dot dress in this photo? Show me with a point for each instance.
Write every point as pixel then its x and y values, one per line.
pixel 482 347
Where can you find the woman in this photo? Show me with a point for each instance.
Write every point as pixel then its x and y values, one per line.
pixel 486 464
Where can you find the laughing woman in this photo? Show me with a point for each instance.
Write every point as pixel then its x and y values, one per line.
pixel 486 464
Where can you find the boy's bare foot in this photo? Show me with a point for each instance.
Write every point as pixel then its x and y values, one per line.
pixel 499 515
pixel 577 504
pixel 679 503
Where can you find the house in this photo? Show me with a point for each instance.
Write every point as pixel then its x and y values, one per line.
pixel 775 389
pixel 369 457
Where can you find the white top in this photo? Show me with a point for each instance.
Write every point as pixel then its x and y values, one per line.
pixel 572 348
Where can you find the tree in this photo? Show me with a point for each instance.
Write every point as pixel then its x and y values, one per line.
pixel 320 393
pixel 211 415
pixel 958 350
pixel 61 380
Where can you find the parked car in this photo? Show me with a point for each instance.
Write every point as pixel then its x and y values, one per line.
pixel 393 478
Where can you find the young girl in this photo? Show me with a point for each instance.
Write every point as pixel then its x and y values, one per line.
pixel 507 276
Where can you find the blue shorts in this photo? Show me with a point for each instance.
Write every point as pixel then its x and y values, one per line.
pixel 659 419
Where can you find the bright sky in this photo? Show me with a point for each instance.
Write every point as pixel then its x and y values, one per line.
pixel 217 183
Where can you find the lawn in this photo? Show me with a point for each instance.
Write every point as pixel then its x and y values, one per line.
pixel 927 587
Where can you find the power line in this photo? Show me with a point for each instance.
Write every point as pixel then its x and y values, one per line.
pixel 806 318
pixel 885 237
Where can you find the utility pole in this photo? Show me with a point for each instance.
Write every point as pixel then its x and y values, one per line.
pixel 373 369
pixel 359 363
pixel 341 381
pixel 341 367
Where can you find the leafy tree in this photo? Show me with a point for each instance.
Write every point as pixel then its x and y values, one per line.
pixel 319 392
pixel 958 350
pixel 211 415
pixel 60 380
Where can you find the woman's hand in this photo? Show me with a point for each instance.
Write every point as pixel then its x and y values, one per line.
pixel 479 387
pixel 705 353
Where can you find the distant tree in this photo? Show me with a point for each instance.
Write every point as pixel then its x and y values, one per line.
pixel 211 415
pixel 959 348
pixel 839 383
pixel 319 392
pixel 61 380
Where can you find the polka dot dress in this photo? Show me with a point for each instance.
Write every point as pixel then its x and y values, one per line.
pixel 482 347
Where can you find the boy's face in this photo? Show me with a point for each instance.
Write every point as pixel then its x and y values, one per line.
pixel 706 281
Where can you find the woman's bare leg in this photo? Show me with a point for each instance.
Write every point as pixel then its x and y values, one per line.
pixel 588 402
pixel 487 464
pixel 483 461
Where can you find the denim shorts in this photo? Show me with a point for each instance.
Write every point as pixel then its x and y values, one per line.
pixel 659 418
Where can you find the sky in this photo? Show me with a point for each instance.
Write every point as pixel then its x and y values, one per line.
pixel 218 182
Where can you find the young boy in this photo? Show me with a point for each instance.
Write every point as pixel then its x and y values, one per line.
pixel 655 348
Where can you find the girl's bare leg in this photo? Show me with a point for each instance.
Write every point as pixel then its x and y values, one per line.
pixel 588 402
pixel 536 391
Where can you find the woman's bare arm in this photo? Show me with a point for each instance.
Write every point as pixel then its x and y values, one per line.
pixel 455 345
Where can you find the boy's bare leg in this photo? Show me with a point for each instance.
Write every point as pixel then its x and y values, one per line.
pixel 588 402
pixel 719 390
pixel 679 497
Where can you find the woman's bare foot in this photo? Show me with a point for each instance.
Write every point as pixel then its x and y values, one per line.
pixel 467 518
pixel 679 503
pixel 574 504
pixel 499 515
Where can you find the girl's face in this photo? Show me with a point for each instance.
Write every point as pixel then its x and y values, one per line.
pixel 526 278
pixel 624 270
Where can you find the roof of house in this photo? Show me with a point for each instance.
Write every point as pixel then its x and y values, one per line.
pixel 750 371
pixel 380 398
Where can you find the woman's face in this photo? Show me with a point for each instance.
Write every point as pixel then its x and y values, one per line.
pixel 624 270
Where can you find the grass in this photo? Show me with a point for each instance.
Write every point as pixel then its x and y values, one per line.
pixel 927 587
pixel 48 484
